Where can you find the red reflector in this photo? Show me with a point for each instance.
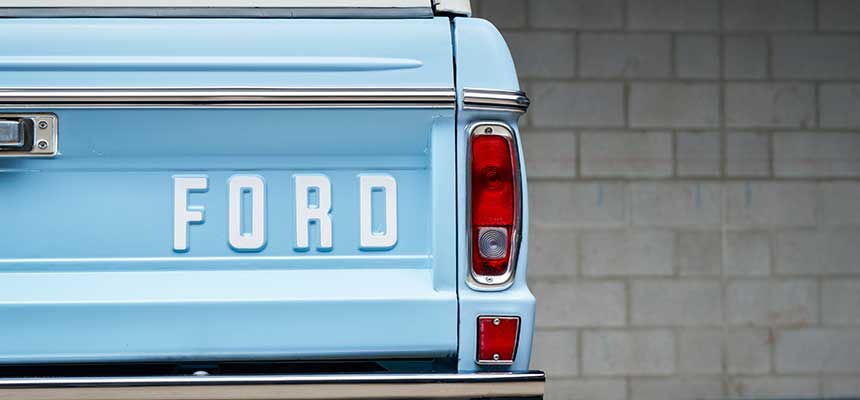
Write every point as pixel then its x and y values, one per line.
pixel 493 200
pixel 497 339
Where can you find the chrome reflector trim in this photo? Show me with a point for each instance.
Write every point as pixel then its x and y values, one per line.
pixel 328 386
pixel 495 100
pixel 227 97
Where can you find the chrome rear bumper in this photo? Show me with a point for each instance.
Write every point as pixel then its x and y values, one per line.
pixel 272 387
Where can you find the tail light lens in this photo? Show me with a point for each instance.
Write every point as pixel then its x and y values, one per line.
pixel 495 203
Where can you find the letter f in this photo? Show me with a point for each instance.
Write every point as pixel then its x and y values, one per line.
pixel 182 214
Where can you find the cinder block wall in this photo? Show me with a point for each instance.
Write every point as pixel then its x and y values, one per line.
pixel 694 176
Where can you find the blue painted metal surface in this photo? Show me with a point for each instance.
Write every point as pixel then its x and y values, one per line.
pixel 226 52
pixel 484 62
pixel 87 268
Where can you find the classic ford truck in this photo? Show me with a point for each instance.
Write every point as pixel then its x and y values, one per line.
pixel 260 199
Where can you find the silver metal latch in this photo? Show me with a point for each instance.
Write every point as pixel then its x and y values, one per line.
pixel 28 135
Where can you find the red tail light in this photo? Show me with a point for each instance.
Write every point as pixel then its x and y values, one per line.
pixel 495 200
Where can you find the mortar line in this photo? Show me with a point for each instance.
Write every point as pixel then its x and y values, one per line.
pixel 528 15
pixel 815 26
pixel 769 57
pixel 672 80
pixel 646 31
pixel 577 53
pixel 722 107
pixel 724 290
pixel 771 155
pixel 625 24
pixel 626 103
pixel 673 69
pixel 577 163
pixel 580 347
pixel 816 98
pixel 675 157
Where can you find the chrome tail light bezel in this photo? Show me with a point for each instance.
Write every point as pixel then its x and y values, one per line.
pixel 494 282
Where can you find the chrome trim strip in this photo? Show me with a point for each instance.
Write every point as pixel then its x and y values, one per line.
pixel 218 3
pixel 453 7
pixel 380 12
pixel 227 97
pixel 327 386
pixel 495 100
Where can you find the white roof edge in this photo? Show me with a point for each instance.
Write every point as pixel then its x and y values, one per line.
pixel 216 3
pixel 456 7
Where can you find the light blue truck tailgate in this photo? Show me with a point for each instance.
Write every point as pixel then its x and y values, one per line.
pixel 102 256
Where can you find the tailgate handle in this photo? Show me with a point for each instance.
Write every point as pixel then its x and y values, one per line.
pixel 28 135
pixel 13 132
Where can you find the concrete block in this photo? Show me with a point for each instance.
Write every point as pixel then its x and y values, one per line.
pixel 674 105
pixel 810 252
pixel 676 388
pixel 617 55
pixel 748 351
pixel 700 351
pixel 772 303
pixel 747 254
pixel 770 105
pixel 818 56
pixel 839 15
pixel 542 54
pixel 580 204
pixel 816 154
pixel 555 352
pixel 576 14
pixel 762 204
pixel 747 154
pixel 839 203
pixel 697 56
pixel 746 56
pixel 626 154
pixel 673 15
pixel 503 14
pixel 580 303
pixel 840 302
pixel 623 253
pixel 676 204
pixel 676 303
pixel 589 104
pixel 839 105
pixel 550 154
pixel 619 353
pixel 773 387
pixel 698 153
pixel 552 251
pixel 586 389
pixel 768 15
pixel 840 386
pixel 698 253
pixel 818 351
